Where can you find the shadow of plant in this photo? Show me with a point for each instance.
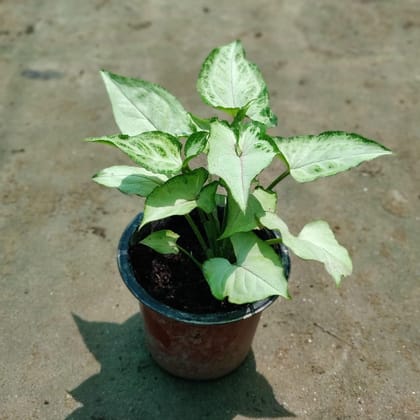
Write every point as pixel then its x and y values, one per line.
pixel 130 385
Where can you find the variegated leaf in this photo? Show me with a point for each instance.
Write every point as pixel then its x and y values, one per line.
pixel 141 106
pixel 230 82
pixel 156 151
pixel 313 157
pixel 238 161
pixel 130 179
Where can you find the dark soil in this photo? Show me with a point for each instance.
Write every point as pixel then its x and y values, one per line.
pixel 174 279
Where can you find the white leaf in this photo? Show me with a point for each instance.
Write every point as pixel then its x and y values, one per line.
pixel 156 151
pixel 257 273
pixel 238 162
pixel 316 242
pixel 229 81
pixel 312 157
pixel 141 106
pixel 130 179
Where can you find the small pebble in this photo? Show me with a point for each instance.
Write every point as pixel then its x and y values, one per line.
pixel 396 204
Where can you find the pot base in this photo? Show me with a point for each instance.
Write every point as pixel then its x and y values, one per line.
pixel 190 345
pixel 199 352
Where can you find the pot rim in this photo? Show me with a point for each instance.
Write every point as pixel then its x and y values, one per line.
pixel 129 278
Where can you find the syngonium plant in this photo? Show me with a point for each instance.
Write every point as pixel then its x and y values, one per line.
pixel 163 139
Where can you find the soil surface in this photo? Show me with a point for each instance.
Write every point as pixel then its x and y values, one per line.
pixel 174 279
pixel 72 343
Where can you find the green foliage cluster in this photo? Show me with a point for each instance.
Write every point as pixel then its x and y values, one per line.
pixel 163 140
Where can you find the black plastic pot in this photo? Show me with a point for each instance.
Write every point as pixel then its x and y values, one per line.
pixel 194 346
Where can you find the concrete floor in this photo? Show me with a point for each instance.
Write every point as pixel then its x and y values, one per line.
pixel 71 341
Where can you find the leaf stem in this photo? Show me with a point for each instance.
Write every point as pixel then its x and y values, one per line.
pixel 191 256
pixel 197 233
pixel 215 217
pixel 274 241
pixel 208 226
pixel 278 179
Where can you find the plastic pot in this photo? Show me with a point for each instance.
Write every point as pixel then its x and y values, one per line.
pixel 193 346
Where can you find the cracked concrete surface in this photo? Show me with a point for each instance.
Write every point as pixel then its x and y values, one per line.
pixel 71 338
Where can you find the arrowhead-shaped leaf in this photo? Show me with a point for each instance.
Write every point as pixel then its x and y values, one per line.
pixel 141 106
pixel 162 241
pixel 156 151
pixel 312 157
pixel 238 161
pixel 177 196
pixel 257 273
pixel 316 242
pixel 130 179
pixel 229 81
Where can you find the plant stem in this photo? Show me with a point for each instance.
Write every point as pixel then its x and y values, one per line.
pixel 278 179
pixel 274 241
pixel 208 226
pixel 197 233
pixel 216 221
pixel 193 259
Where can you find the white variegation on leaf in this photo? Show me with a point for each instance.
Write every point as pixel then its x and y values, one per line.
pixel 177 196
pixel 156 151
pixel 311 157
pixel 256 274
pixel 201 124
pixel 130 179
pixel 230 82
pixel 162 241
pixel 238 161
pixel 259 110
pixel 228 200
pixel 316 241
pixel 195 145
pixel 141 106
pixel 267 199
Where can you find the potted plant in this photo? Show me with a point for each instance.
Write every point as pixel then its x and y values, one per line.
pixel 208 253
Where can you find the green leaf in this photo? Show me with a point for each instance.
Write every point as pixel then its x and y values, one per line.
pixel 177 196
pixel 201 124
pixel 238 162
pixel 141 106
pixel 156 151
pixel 228 81
pixel 259 202
pixel 162 241
pixel 311 157
pixel 267 199
pixel 316 242
pixel 195 144
pixel 237 220
pixel 207 198
pixel 259 110
pixel 221 200
pixel 257 273
pixel 130 179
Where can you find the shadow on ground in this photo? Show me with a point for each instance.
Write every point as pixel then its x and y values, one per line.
pixel 130 386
